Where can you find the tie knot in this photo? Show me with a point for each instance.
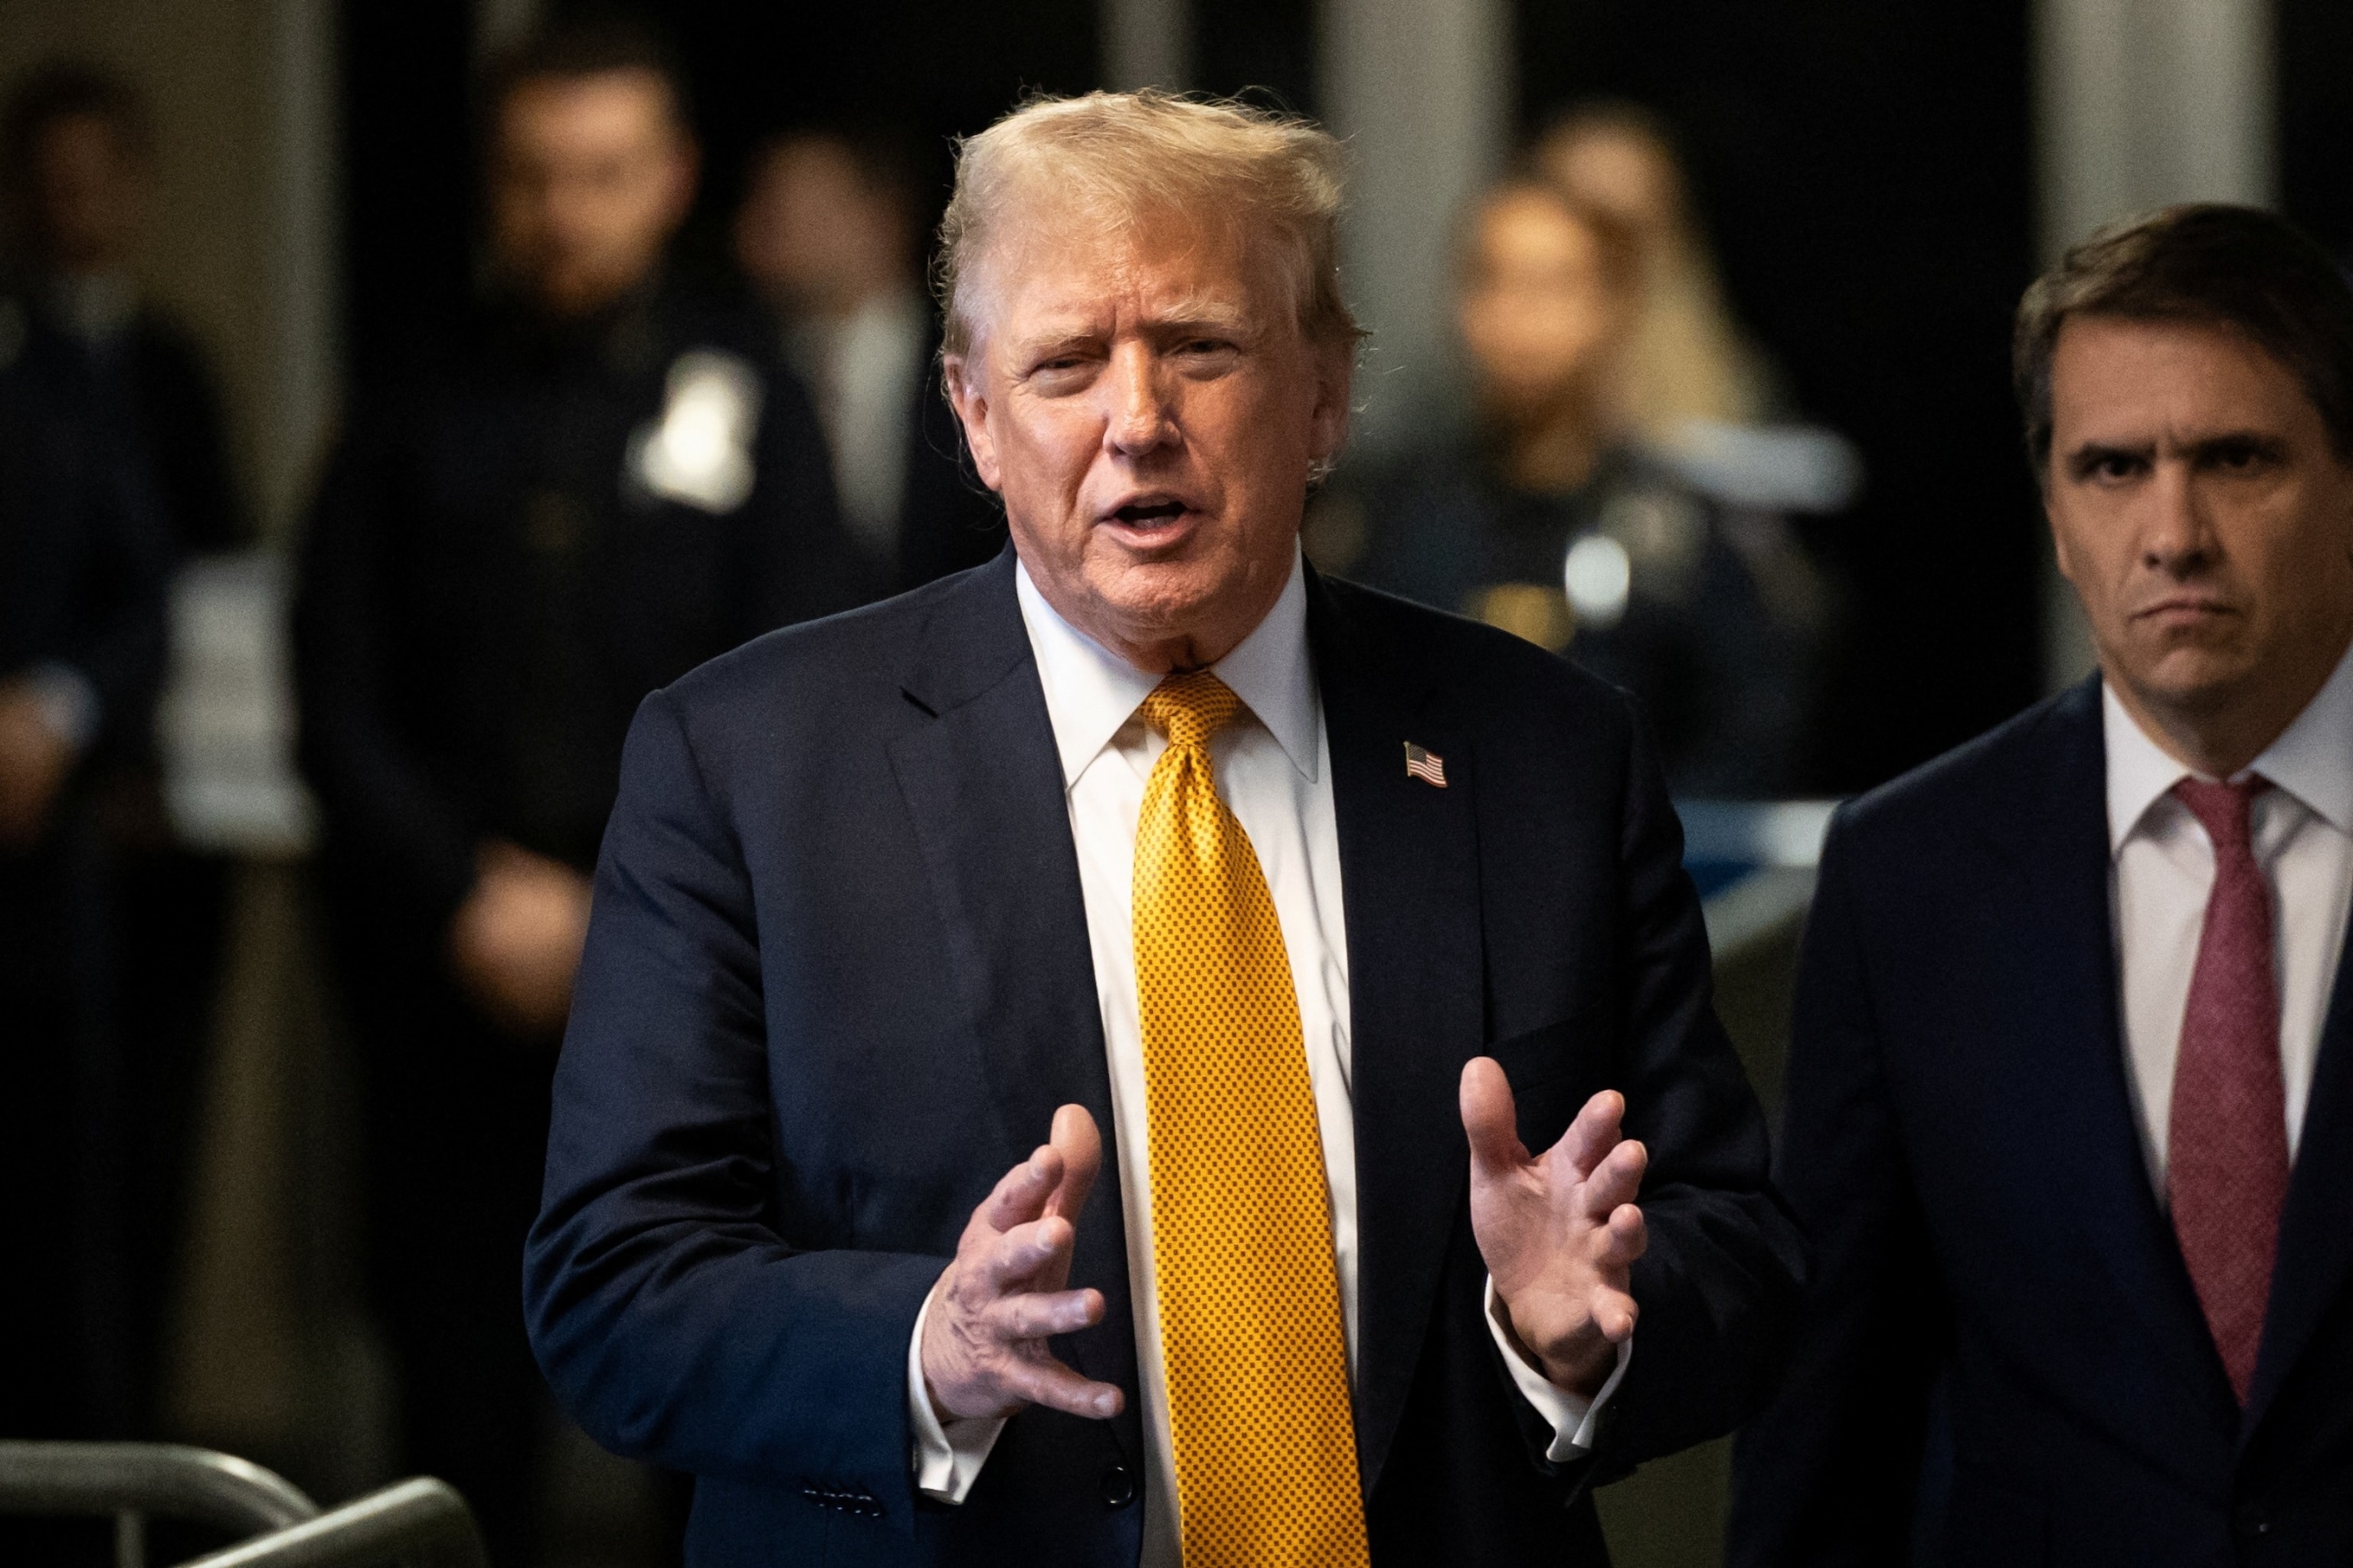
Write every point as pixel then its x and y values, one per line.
pixel 2223 810
pixel 1190 709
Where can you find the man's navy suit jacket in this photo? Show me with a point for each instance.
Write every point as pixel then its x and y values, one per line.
pixel 1962 1145
pixel 838 980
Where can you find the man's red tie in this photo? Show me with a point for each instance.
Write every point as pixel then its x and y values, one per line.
pixel 2226 1155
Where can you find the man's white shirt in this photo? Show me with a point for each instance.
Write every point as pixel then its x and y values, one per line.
pixel 1274 773
pixel 2162 872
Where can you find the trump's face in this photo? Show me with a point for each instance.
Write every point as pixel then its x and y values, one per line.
pixel 1144 397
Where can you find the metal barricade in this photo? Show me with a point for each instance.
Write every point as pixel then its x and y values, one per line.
pixel 420 1522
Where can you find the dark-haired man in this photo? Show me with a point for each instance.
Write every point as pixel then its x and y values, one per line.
pixel 597 485
pixel 2069 1112
pixel 830 234
pixel 78 148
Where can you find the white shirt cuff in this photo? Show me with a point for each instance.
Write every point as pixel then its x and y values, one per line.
pixel 948 1457
pixel 1573 1418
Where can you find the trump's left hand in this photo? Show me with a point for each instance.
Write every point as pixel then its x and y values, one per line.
pixel 1559 1231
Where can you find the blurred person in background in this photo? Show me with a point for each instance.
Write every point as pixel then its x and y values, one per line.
pixel 79 153
pixel 1685 357
pixel 1689 385
pixel 595 484
pixel 77 161
pixel 830 234
pixel 1552 523
pixel 83 564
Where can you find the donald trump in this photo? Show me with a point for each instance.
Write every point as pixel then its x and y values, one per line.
pixel 1139 1052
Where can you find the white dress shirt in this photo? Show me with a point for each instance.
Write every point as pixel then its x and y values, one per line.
pixel 864 371
pixel 1274 773
pixel 2163 870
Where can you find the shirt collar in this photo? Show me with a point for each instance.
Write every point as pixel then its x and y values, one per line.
pixel 2308 760
pixel 1091 693
pixel 2313 758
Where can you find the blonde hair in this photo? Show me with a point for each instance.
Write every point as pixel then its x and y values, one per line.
pixel 1686 356
pixel 1128 153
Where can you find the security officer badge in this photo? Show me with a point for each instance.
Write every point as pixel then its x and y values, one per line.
pixel 698 452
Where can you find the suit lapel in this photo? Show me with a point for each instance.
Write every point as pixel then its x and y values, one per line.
pixel 2316 1243
pixel 1408 867
pixel 983 788
pixel 2080 1117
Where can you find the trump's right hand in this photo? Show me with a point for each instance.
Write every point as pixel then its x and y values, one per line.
pixel 985 1350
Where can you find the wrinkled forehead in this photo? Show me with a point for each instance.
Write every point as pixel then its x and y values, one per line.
pixel 1052 255
pixel 2178 376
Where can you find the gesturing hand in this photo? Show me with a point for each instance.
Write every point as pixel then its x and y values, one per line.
pixel 984 1340
pixel 1559 1231
pixel 515 941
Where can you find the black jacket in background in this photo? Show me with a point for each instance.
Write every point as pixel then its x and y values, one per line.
pixel 151 379
pixel 490 587
pixel 84 561
pixel 1721 618
pixel 1960 1143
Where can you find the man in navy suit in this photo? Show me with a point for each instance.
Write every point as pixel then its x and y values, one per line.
pixel 592 483
pixel 879 911
pixel 830 234
pixel 2070 1116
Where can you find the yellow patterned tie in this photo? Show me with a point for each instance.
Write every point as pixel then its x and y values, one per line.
pixel 1241 1221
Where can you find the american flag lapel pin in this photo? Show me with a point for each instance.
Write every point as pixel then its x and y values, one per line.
pixel 1426 764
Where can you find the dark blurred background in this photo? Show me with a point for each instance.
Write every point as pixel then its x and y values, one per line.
pixel 1871 185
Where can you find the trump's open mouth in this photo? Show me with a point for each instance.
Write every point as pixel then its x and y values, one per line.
pixel 1152 522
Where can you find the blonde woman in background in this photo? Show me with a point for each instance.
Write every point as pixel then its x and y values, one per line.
pixel 1554 520
pixel 1685 357
pixel 1689 384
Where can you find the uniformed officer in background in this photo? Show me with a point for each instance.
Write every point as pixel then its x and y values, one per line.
pixel 596 485
pixel 1555 521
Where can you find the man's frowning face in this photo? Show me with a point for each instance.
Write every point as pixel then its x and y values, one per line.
pixel 2201 514
pixel 1142 394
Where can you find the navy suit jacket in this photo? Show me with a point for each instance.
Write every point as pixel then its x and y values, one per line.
pixel 838 979
pixel 1962 1146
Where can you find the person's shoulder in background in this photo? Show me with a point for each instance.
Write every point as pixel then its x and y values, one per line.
pixel 1410 524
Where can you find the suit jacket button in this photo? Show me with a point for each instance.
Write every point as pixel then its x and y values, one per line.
pixel 1118 1487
